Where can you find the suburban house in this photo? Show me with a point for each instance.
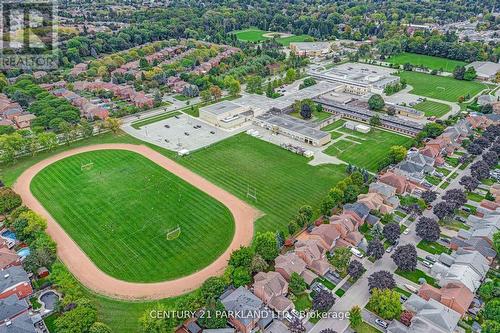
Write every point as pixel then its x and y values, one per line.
pixel 9 258
pixel 437 148
pixel 454 295
pixel 479 121
pixel 14 281
pixel 23 120
pixel 78 69
pixel 326 235
pixel 10 308
pixel 386 191
pixel 314 255
pixel 429 316
pixel 474 243
pixel 272 289
pixel 467 267
pixel 22 323
pixel 247 311
pixel 457 132
pixel 399 182
pixel 375 201
pixel 415 166
pixel 290 262
pixel 347 226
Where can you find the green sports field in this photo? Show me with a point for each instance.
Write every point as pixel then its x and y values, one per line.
pixel 282 180
pixel 365 150
pixel 431 108
pixel 251 35
pixel 431 62
pixel 440 87
pixel 121 210
pixel 285 41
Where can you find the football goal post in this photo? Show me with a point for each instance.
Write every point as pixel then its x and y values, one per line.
pixel 87 166
pixel 251 192
pixel 174 233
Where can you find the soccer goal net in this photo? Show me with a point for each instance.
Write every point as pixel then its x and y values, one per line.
pixel 86 166
pixel 174 233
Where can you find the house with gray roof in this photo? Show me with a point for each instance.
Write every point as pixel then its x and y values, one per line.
pixel 246 310
pixel 486 99
pixel 11 307
pixel 14 280
pixel 415 166
pixel 430 316
pixel 20 324
pixel 486 70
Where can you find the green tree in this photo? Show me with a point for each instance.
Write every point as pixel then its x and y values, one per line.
pixel 113 124
pixel 241 277
pixel 496 241
pixel 306 211
pixel 490 326
pixel 337 195
pixel 291 75
pixel 80 319
pixel 340 259
pixel 258 264
pixel 241 257
pixel 214 316
pixel 375 120
pixel 297 284
pixel 326 206
pixel 397 153
pixel 376 102
pixel 490 290
pixel 9 200
pixel 212 288
pixel 386 303
pixel 151 324
pixel 99 327
pixel 266 245
pixel 355 316
pixel 492 310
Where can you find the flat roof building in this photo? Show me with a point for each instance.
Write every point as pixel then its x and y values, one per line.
pixel 292 127
pixel 311 49
pixel 486 70
pixel 225 114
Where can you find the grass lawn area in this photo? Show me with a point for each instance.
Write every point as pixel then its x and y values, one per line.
pixel 365 328
pixel 250 35
pixel 325 282
pixel 336 124
pixel 433 247
pixel 431 62
pixel 50 322
pixel 293 39
pixel 453 161
pixel 431 108
pixel 433 180
pixel 488 182
pixel 416 275
pixel 302 302
pixel 373 147
pixel 474 197
pixel 403 292
pixel 34 303
pixel 340 292
pixel 444 171
pixel 119 213
pixel 440 87
pixel 335 135
pixel 444 185
pixel 151 120
pixel 181 98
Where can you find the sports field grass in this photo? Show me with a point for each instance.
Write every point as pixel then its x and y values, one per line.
pixel 431 108
pixel 440 87
pixel 283 181
pixel 300 38
pixel 431 62
pixel 251 35
pixel 120 211
pixel 373 147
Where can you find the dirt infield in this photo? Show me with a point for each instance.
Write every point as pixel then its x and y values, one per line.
pixel 95 279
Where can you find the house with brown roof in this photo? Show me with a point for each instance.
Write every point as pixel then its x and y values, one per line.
pixel 399 182
pixel 375 201
pixel 272 289
pixel 454 295
pixel 314 255
pixel 347 226
pixel 289 263
pixel 9 258
pixel 78 69
pixel 24 120
pixel 326 234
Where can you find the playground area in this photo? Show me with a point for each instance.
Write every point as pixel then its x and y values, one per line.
pixel 131 216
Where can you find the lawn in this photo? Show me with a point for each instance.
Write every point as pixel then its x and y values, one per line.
pixel 431 62
pixel 433 247
pixel 151 120
pixel 366 328
pixel 432 109
pixel 336 124
pixel 403 292
pixel 372 149
pixel 302 302
pixel 293 39
pixel 251 35
pixel 474 197
pixel 282 180
pixel 120 211
pixel 416 275
pixel 181 98
pixel 440 87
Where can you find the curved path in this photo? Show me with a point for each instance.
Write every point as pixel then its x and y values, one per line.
pixel 92 277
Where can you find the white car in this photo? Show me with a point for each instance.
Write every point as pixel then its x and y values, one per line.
pixel 406 232
pixel 381 323
pixel 356 252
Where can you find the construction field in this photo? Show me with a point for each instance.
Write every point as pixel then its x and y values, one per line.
pixel 365 150
pixel 135 220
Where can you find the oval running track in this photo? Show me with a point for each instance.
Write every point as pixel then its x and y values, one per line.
pixel 92 277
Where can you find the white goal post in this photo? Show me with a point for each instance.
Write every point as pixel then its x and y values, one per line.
pixel 174 233
pixel 87 166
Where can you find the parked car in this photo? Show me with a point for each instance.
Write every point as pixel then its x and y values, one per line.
pixel 176 117
pixel 212 132
pixel 403 298
pixel 466 209
pixel 427 264
pixel 381 323
pixel 166 126
pixel 356 252
pixel 186 133
pixel 407 231
pixel 389 249
pixel 460 218
pixel 445 240
pixel 431 258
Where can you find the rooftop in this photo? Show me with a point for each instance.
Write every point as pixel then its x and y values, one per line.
pixel 294 125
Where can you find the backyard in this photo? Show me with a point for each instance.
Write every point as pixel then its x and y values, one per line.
pixel 431 62
pixel 121 210
pixel 433 247
pixel 440 87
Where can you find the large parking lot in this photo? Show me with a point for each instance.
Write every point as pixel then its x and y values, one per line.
pixel 180 132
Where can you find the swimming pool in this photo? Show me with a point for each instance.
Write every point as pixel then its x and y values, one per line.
pixel 9 234
pixel 50 299
pixel 24 252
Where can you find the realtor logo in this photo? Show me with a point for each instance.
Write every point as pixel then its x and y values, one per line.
pixel 28 34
